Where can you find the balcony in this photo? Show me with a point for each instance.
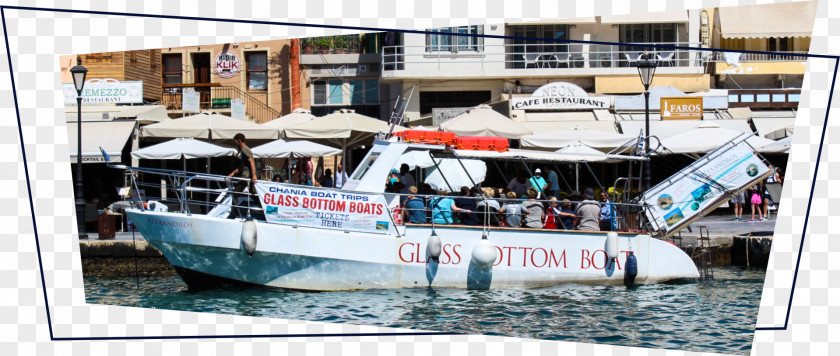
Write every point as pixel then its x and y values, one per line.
pixel 790 62
pixel 533 60
pixel 213 96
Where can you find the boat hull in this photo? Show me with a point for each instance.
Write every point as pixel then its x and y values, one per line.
pixel 310 258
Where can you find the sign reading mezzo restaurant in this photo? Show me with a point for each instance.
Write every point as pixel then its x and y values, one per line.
pixel 106 91
pixel 323 208
pixel 681 108
pixel 560 95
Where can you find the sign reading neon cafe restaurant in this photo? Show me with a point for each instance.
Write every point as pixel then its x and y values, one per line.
pixel 106 91
pixel 560 95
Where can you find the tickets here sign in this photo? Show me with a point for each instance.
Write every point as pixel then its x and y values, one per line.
pixel 323 208
pixel 684 198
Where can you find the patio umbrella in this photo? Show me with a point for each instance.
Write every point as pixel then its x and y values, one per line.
pixel 455 176
pixel 297 116
pixel 343 128
pixel 782 145
pixel 283 149
pixel 484 121
pixel 210 127
pixel 562 138
pixel 705 138
pixel 183 148
pixel 584 152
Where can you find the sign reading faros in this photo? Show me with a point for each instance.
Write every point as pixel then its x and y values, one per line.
pixel 227 64
pixel 679 108
pixel 560 95
pixel 106 91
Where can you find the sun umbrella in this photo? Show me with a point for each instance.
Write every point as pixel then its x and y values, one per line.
pixel 343 128
pixel 455 176
pixel 562 138
pixel 209 126
pixel 296 117
pixel 484 121
pixel 282 149
pixel 183 148
pixel 705 138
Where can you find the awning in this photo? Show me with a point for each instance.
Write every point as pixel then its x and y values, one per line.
pixel 547 126
pixel 775 127
pixel 533 116
pixel 668 128
pixel 794 19
pixel 111 136
pixel 643 17
pixel 142 113
pixel 590 19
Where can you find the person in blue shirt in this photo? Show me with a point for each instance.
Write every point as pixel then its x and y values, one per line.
pixel 443 207
pixel 607 214
pixel 414 210
pixel 539 183
pixel 567 215
pixel 553 182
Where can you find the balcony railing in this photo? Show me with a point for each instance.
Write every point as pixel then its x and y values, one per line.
pixel 788 56
pixel 540 56
pixel 215 96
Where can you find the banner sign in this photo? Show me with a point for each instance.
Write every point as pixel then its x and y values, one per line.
pixel 237 109
pixel 560 102
pixel 106 91
pixel 323 208
pixel 191 99
pixel 227 64
pixel 681 108
pixel 679 199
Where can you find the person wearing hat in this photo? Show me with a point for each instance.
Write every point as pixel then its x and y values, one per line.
pixel 588 212
pixel 539 183
pixel 247 167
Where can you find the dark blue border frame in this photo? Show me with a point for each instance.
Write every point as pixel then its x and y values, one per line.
pixel 171 17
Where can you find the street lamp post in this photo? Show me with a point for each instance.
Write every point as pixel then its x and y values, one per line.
pixel 646 69
pixel 79 73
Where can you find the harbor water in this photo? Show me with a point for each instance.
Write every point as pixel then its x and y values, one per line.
pixel 715 315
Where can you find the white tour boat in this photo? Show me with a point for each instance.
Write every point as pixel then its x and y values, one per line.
pixel 324 239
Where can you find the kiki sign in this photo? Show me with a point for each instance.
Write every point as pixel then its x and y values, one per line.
pixel 227 64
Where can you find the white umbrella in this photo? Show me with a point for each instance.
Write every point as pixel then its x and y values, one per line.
pixel 484 121
pixel 583 152
pixel 415 159
pixel 183 148
pixel 282 149
pixel 562 138
pixel 209 126
pixel 297 116
pixel 782 145
pixel 455 175
pixel 705 138
pixel 344 128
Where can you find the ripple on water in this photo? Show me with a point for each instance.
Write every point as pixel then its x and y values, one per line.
pixel 713 316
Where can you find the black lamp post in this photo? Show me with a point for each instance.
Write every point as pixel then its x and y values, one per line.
pixel 646 68
pixel 79 74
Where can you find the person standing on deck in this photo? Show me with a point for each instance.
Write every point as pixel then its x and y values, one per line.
pixel 247 168
pixel 607 218
pixel 538 183
pixel 553 182
pixel 519 184
pixel 588 212
pixel 406 178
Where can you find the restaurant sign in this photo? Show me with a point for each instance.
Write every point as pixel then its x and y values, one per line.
pixel 560 95
pixel 681 108
pixel 106 91
pixel 227 64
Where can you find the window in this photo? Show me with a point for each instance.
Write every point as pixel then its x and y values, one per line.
pixel 662 33
pixel 171 69
pixel 779 98
pixel 346 92
pixel 257 70
pixel 527 40
pixel 447 39
pixel 782 44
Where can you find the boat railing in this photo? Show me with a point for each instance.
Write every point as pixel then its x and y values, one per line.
pixel 625 216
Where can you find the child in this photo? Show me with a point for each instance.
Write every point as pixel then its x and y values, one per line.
pixel 756 201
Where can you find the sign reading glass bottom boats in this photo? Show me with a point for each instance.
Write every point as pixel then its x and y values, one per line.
pixel 323 208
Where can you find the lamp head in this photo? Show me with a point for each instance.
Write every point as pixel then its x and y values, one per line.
pixel 79 73
pixel 646 67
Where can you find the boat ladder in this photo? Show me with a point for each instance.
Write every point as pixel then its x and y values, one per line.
pixel 703 254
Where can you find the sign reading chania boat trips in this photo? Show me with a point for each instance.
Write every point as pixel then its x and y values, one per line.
pixel 560 95
pixel 323 208
pixel 678 201
pixel 682 108
pixel 106 91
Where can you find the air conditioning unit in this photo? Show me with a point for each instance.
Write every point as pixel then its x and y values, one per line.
pixel 363 68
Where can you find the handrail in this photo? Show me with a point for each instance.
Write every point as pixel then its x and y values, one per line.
pixel 212 97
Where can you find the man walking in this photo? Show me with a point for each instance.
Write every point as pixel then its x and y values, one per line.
pixel 247 168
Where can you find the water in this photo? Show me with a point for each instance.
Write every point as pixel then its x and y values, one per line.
pixel 712 316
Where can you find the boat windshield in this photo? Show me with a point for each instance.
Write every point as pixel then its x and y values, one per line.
pixel 364 166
